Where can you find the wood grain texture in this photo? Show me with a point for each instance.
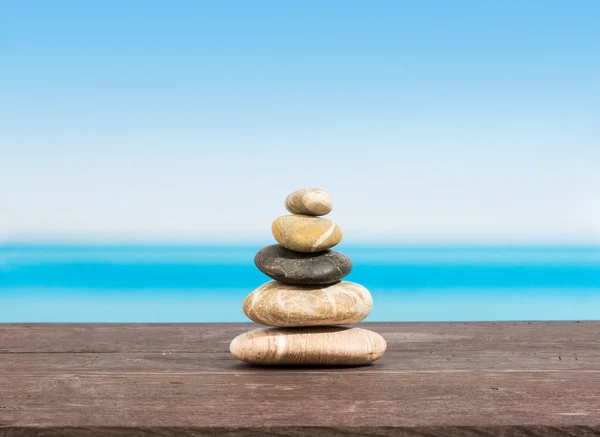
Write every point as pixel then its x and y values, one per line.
pixel 436 379
pixel 446 431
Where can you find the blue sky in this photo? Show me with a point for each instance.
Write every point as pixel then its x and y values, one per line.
pixel 426 120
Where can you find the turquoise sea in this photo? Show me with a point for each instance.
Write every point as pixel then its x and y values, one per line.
pixel 207 283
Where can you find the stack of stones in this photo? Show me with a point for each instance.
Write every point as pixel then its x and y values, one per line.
pixel 307 295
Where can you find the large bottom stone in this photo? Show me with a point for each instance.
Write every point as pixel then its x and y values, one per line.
pixel 320 346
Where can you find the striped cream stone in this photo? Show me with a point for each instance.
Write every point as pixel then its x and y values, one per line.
pixel 325 346
pixel 284 305
pixel 309 201
pixel 303 233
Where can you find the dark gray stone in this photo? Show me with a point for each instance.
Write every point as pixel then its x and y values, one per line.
pixel 297 268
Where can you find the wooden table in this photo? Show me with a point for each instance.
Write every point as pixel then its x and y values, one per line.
pixel 437 379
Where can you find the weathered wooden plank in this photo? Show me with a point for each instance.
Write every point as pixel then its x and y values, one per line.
pixel 436 379
pixel 411 346
pixel 307 399
pixel 458 360
pixel 297 431
pixel 506 336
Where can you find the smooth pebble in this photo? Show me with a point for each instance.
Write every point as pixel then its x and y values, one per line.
pixel 302 233
pixel 298 268
pixel 309 201
pixel 284 305
pixel 323 346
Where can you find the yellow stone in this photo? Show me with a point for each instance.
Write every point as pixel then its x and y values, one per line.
pixel 323 346
pixel 309 201
pixel 303 233
pixel 285 305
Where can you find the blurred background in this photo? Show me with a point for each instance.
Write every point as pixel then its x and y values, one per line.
pixel 146 147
